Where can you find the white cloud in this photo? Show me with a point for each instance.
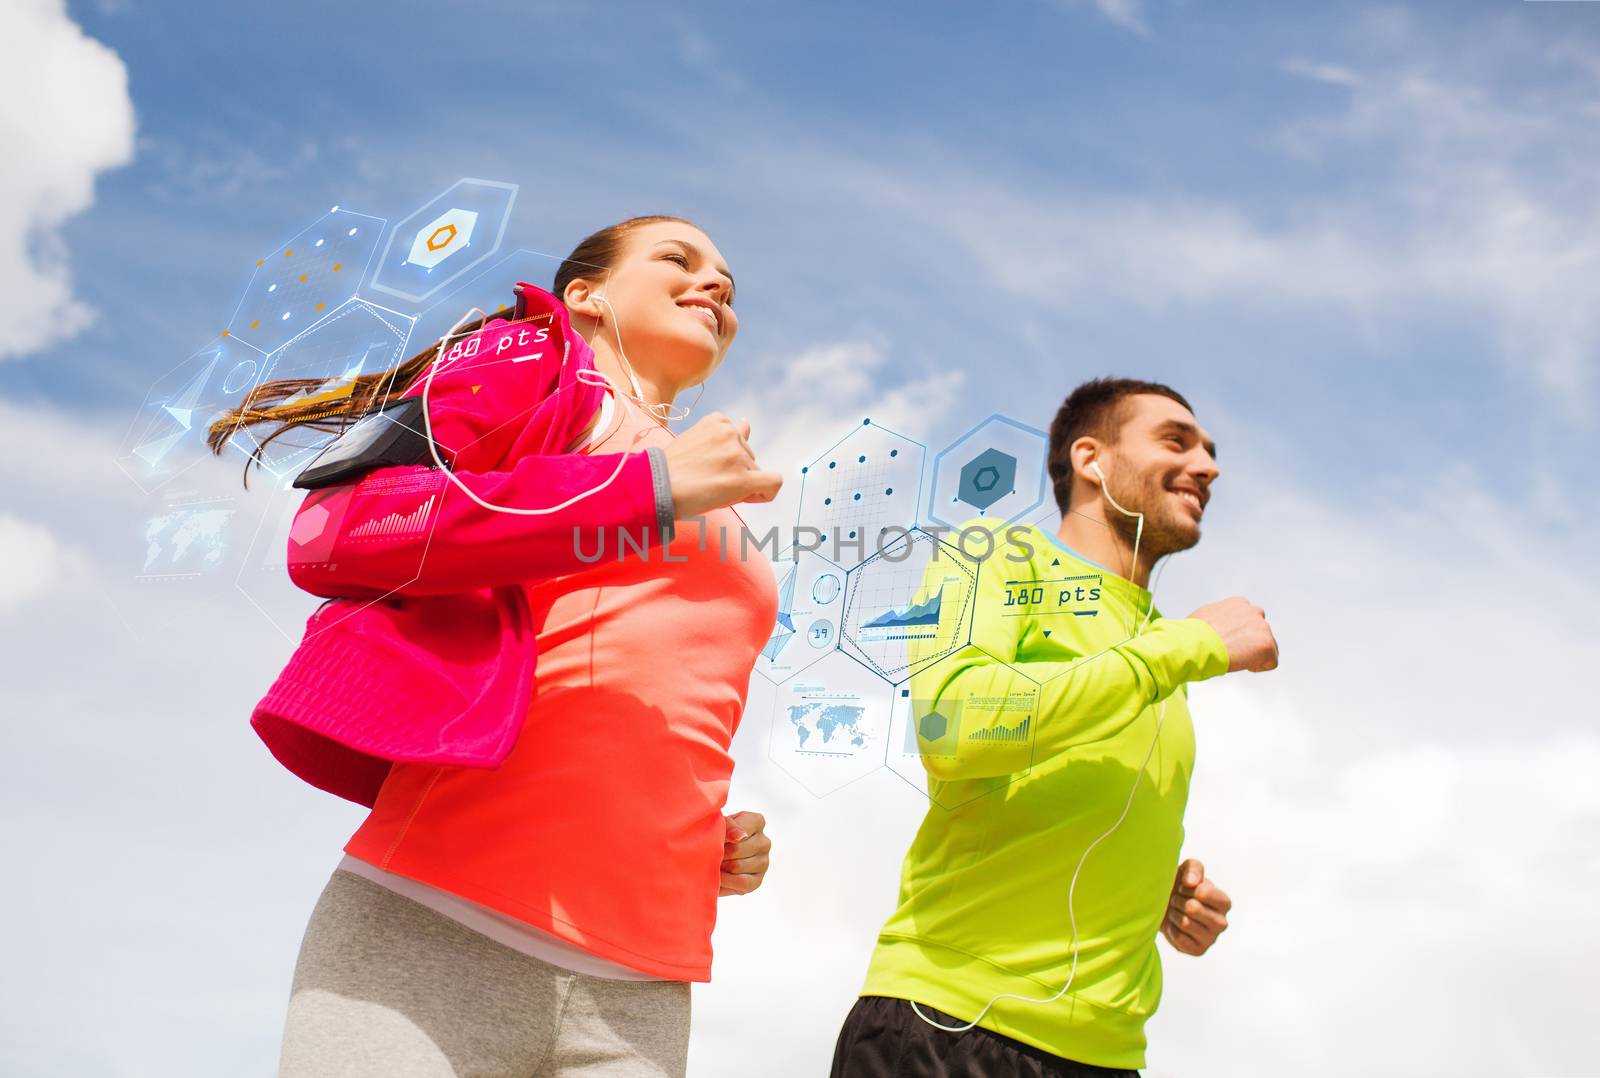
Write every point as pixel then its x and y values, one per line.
pixel 33 563
pixel 1125 13
pixel 1403 812
pixel 1329 73
pixel 1412 894
pixel 816 397
pixel 65 109
pixel 1128 14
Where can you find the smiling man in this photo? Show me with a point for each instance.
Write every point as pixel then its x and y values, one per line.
pixel 1058 748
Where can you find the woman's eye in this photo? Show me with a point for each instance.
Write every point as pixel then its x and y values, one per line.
pixel 679 259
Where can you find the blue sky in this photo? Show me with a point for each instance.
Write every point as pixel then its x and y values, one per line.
pixel 1360 237
pixel 844 159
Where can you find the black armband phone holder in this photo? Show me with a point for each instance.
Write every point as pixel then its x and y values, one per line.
pixel 391 434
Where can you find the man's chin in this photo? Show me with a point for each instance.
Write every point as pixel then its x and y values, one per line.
pixel 1173 536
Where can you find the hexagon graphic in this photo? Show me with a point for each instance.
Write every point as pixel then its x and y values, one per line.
pixel 987 478
pixel 963 728
pixel 996 469
pixel 487 287
pixel 303 279
pixel 810 607
pixel 830 725
pixel 444 239
pixel 358 338
pixel 446 235
pixel 166 436
pixel 909 605
pixel 862 494
pixel 310 531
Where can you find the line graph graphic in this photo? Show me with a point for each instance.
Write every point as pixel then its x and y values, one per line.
pixel 908 606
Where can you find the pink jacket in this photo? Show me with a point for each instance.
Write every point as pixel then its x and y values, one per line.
pixel 425 653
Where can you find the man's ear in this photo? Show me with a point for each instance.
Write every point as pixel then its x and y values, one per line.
pixel 1085 451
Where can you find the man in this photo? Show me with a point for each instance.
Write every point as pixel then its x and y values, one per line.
pixel 1058 748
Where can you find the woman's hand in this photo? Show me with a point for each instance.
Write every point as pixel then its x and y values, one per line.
pixel 744 853
pixel 710 466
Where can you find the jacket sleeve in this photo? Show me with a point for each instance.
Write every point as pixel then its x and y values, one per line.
pixel 1065 703
pixel 410 530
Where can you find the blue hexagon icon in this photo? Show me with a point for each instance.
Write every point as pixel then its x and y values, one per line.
pixel 997 468
pixel 953 744
pixel 987 478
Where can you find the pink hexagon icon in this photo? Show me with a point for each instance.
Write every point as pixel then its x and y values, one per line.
pixel 312 522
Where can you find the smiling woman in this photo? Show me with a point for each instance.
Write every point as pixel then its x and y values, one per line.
pixel 529 904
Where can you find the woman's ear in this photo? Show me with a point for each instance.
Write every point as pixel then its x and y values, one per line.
pixel 580 299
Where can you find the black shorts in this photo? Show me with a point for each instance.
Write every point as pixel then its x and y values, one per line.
pixel 884 1038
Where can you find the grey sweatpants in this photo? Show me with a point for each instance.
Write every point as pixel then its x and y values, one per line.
pixel 387 988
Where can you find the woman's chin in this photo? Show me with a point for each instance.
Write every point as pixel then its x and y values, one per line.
pixel 687 358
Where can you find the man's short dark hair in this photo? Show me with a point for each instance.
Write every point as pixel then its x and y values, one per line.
pixel 1097 408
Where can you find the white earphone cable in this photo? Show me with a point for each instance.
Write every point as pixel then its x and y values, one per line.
pixel 1072 887
pixel 433 448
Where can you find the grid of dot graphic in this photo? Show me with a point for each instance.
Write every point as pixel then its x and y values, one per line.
pixel 855 487
pixel 881 585
pixel 295 284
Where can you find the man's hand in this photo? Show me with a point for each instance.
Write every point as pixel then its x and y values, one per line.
pixel 1244 629
pixel 1197 911
pixel 744 853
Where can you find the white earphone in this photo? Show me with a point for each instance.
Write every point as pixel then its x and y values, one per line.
pixel 665 415
pixel 1072 887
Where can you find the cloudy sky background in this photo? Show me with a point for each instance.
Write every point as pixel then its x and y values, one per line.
pixel 1361 239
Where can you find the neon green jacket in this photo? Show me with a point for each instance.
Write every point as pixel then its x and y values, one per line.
pixel 1031 737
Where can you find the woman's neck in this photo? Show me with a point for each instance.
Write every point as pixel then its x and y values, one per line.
pixel 610 363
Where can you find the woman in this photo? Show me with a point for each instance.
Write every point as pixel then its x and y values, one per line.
pixel 545 915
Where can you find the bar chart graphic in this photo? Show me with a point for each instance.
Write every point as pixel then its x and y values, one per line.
pixel 1018 732
pixel 395 525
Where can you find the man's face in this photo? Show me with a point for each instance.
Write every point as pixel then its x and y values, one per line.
pixel 1162 465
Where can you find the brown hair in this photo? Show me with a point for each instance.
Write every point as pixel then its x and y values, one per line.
pixel 1097 409
pixel 332 414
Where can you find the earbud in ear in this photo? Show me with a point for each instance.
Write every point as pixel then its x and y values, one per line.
pixel 1094 466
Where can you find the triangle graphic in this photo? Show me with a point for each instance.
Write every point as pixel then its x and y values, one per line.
pixel 1055 563
pixel 1047 632
pixel 152 452
pixel 476 388
pixel 188 400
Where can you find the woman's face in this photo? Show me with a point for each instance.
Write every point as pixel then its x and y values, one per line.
pixel 671 297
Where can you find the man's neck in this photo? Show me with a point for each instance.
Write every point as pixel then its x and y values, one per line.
pixel 1086 531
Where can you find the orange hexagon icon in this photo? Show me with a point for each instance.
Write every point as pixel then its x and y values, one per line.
pixel 442 237
pixel 435 243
